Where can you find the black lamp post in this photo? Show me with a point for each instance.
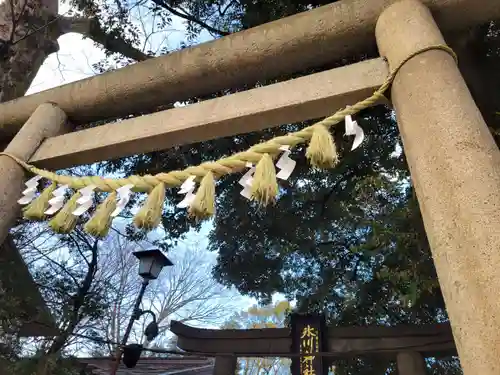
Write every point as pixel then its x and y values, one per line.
pixel 151 262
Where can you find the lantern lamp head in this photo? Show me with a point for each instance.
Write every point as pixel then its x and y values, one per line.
pixel 151 262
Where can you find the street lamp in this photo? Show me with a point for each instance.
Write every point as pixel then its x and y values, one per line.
pixel 151 262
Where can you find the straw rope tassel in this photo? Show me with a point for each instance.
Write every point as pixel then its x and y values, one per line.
pixel 36 209
pixel 264 184
pixel 203 205
pixel 149 216
pixel 64 221
pixel 322 151
pixel 100 222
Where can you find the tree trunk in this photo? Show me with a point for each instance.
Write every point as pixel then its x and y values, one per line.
pixel 28 35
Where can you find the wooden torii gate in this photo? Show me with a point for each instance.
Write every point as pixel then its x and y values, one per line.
pixel 453 159
pixel 408 345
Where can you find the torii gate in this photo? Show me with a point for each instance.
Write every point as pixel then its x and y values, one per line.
pixel 453 159
pixel 406 345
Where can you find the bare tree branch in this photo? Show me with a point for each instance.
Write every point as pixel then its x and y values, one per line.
pixel 74 316
pixel 186 291
pixel 91 28
pixel 189 17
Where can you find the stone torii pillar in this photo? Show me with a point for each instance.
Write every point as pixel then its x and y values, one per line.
pixel 48 120
pixel 455 167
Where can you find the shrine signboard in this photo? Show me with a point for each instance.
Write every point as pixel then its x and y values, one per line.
pixel 308 339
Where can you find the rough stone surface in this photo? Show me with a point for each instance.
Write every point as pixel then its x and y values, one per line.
pixel 455 167
pixel 47 121
pixel 309 39
pixel 305 98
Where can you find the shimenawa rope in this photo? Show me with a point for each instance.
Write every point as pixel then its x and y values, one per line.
pixel 321 153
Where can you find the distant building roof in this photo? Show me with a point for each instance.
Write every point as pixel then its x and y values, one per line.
pixel 152 366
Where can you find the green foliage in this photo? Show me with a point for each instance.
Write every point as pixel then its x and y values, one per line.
pixel 269 316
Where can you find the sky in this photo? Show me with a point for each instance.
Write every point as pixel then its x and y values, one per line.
pixel 74 62
pixel 76 55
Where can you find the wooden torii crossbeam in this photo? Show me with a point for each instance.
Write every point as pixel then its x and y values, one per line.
pixel 386 343
pixel 453 159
